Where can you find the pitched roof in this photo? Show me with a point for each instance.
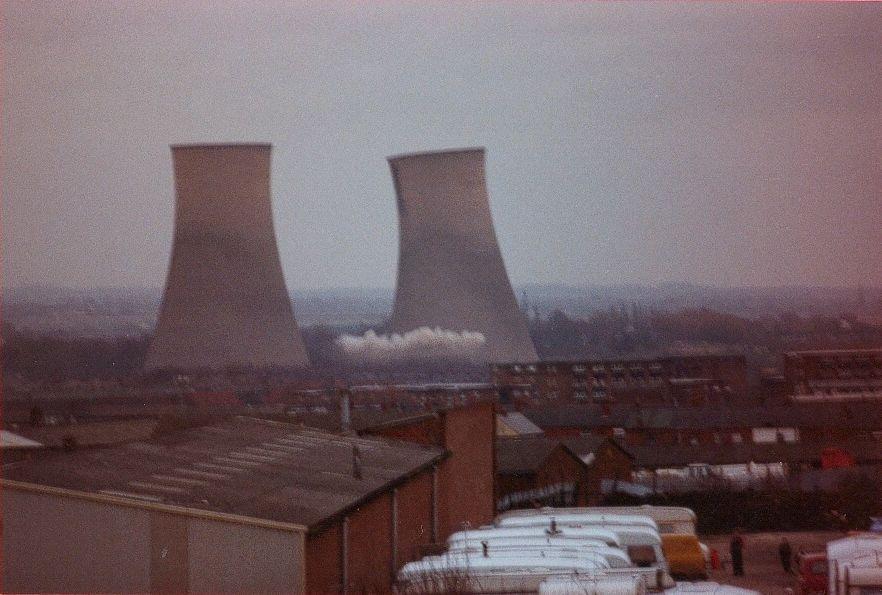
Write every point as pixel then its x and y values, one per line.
pixel 249 467
pixel 523 455
pixel 518 423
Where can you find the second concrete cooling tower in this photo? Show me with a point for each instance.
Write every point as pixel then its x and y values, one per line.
pixel 450 271
pixel 225 301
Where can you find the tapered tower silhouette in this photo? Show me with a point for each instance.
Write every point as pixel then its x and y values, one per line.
pixel 225 302
pixel 450 271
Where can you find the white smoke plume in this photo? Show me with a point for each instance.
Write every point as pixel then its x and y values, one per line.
pixel 420 344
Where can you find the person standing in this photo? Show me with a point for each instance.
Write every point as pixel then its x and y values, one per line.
pixel 736 549
pixel 785 552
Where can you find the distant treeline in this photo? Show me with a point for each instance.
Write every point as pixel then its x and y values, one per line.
pixel 625 331
pixel 617 332
pixel 33 357
pixel 848 507
pixel 55 359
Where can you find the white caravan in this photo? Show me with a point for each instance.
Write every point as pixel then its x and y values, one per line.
pixel 854 565
pixel 578 533
pixel 488 574
pixel 642 543
pixel 594 585
pixel 573 517
pixel 548 546
pixel 708 588
pixel 669 519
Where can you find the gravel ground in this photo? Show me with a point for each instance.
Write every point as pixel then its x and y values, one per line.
pixel 762 568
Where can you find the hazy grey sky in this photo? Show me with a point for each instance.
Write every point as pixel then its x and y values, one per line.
pixel 726 144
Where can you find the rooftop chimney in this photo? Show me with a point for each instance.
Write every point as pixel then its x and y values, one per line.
pixel 345 409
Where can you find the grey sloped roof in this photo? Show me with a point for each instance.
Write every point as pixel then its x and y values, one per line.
pixel 249 467
pixel 519 423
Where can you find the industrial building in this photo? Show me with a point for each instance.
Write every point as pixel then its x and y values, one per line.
pixel 241 506
pixel 450 271
pixel 225 301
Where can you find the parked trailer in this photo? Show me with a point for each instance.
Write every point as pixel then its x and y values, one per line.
pixel 669 519
pixel 854 565
pixel 548 554
pixel 579 533
pixel 708 587
pixel 470 574
pixel 643 544
pixel 595 585
pixel 505 546
pixel 686 556
pixel 573 518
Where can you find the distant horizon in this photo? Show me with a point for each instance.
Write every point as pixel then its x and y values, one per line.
pixel 516 286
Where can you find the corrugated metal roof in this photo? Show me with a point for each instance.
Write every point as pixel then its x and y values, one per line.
pixel 271 470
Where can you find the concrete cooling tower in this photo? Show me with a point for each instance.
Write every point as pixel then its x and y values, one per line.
pixel 450 271
pixel 225 302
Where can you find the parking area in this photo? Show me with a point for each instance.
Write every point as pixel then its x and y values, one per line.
pixel 762 566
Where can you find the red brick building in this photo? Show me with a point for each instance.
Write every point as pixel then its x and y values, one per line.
pixel 465 477
pixel 678 380
pixel 544 471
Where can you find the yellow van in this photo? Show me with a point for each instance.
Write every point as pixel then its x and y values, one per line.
pixel 684 556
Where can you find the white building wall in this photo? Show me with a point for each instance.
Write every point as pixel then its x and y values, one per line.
pixel 229 558
pixel 65 543
pixel 53 544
